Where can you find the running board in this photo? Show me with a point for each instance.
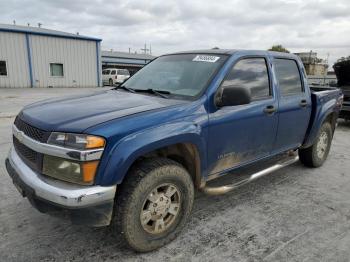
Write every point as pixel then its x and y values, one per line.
pixel 249 178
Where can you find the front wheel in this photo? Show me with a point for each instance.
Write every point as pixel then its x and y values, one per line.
pixel 315 155
pixel 154 203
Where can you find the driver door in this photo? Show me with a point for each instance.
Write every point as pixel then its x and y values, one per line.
pixel 244 133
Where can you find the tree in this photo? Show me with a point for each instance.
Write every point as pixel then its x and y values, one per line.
pixel 279 48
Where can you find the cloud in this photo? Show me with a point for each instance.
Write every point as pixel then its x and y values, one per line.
pixel 320 25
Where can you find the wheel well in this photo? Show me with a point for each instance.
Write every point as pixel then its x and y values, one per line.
pixel 184 153
pixel 332 119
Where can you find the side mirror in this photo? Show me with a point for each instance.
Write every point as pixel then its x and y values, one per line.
pixel 232 96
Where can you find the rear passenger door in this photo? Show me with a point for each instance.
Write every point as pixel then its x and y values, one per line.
pixel 294 105
pixel 244 133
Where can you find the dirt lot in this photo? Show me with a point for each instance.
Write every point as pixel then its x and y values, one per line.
pixel 295 214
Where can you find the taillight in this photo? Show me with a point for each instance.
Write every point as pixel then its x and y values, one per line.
pixel 340 100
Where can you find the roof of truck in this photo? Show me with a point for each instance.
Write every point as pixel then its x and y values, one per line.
pixel 208 51
pixel 232 51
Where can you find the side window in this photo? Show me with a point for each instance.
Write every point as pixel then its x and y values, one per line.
pixel 104 72
pixel 288 76
pixel 3 68
pixel 56 69
pixel 250 73
pixel 113 72
pixel 123 72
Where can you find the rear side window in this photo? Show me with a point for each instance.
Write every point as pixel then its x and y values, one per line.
pixel 251 73
pixel 288 76
pixel 123 72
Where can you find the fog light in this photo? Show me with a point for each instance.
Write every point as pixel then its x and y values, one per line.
pixel 70 171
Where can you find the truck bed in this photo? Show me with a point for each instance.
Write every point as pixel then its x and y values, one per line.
pixel 320 88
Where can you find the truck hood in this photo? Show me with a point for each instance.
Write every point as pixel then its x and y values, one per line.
pixel 75 114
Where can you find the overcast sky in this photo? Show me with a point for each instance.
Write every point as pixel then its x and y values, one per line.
pixel 299 25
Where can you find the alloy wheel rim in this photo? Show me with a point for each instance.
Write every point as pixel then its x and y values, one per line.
pixel 160 209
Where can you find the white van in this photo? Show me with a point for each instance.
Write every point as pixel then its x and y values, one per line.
pixel 112 76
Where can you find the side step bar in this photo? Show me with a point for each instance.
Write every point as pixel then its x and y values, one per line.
pixel 249 178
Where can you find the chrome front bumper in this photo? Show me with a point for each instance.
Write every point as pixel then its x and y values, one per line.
pixel 60 193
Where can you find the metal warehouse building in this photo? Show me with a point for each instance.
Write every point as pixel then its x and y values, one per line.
pixel 124 60
pixel 38 57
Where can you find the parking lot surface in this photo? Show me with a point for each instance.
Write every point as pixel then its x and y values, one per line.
pixel 294 214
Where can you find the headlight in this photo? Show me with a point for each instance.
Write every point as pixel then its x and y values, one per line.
pixel 76 141
pixel 71 171
pixel 79 172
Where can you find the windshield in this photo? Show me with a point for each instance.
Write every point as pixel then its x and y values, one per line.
pixel 183 75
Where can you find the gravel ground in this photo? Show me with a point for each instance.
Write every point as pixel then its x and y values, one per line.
pixel 294 214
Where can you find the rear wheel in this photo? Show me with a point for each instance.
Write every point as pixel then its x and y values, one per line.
pixel 154 203
pixel 111 82
pixel 315 155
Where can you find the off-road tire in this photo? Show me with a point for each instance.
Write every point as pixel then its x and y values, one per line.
pixel 308 156
pixel 139 182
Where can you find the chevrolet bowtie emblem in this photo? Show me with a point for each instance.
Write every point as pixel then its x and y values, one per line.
pixel 20 135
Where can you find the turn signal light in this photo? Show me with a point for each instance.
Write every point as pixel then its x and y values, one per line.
pixel 89 171
pixel 94 142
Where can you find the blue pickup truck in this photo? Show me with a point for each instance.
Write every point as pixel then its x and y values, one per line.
pixel 133 156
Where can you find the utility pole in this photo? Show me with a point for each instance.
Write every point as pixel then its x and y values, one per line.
pixel 324 78
pixel 145 49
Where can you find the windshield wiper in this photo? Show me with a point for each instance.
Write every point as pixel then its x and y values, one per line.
pixel 125 88
pixel 161 93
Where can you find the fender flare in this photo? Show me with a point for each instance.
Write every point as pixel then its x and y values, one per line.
pixel 135 145
pixel 319 118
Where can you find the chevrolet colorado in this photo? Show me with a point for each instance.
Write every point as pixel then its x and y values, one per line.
pixel 132 156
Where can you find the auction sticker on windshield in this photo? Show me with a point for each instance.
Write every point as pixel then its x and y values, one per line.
pixel 206 58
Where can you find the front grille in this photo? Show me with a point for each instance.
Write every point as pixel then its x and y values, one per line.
pixel 30 157
pixel 32 132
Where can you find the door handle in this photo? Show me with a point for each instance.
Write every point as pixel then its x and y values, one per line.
pixel 303 103
pixel 269 110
